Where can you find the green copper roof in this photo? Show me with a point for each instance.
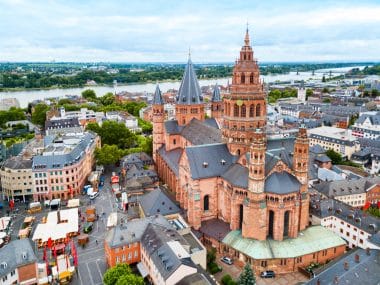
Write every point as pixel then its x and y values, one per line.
pixel 312 239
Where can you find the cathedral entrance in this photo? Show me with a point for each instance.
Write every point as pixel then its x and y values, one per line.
pixel 241 212
pixel 271 223
pixel 286 223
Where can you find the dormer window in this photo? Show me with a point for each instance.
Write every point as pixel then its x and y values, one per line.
pixel 205 164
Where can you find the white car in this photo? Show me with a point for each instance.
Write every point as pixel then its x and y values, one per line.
pixel 93 195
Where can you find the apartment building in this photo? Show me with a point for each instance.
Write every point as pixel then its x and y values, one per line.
pixel 353 225
pixel 367 125
pixel 62 167
pixel 17 178
pixel 18 264
pixel 337 139
pixel 352 192
pixel 130 121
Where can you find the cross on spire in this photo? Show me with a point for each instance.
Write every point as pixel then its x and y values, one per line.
pixel 246 39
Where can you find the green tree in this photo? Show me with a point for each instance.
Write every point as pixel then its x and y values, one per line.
pixel 89 94
pixel 325 90
pixel 336 158
pixel 374 93
pixel 227 280
pixel 247 277
pixel 145 126
pixel 130 279
pixel 13 114
pixel 309 92
pixel 39 114
pixel 107 99
pixel 121 273
pixel 327 100
pixel 108 154
pixel 323 78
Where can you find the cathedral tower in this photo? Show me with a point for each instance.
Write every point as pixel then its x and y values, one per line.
pixel 255 205
pixel 301 168
pixel 189 103
pixel 245 105
pixel 216 103
pixel 158 121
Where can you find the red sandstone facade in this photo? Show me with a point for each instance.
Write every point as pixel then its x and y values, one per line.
pixel 257 210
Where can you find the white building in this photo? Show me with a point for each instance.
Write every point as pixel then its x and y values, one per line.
pixel 130 121
pixel 367 126
pixel 301 92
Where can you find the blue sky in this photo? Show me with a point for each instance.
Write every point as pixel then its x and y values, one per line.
pixel 163 31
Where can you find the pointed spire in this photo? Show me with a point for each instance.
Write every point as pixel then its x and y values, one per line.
pixel 189 92
pixel 216 94
pixel 157 98
pixel 246 39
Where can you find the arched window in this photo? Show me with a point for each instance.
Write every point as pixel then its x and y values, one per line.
pixel 258 110
pixel 206 203
pixel 238 152
pixel 251 78
pixel 236 110
pixel 243 111
pixel 243 78
pixel 252 110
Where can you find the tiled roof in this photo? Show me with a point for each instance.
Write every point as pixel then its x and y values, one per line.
pixel 209 160
pixel 237 175
pixel 157 202
pixel 62 123
pixel 18 163
pixel 198 132
pixel 157 98
pixel 347 270
pixel 189 92
pixel 216 94
pixel 317 149
pixel 281 183
pixel 215 228
pixel 171 157
pixel 16 254
pixel 212 123
pixel 171 127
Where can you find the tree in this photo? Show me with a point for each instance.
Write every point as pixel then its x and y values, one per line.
pixel 336 158
pixel 89 94
pixel 107 99
pixel 309 92
pixel 327 100
pixel 325 90
pixel 39 114
pixel 323 78
pixel 121 274
pixel 130 279
pixel 108 154
pixel 374 93
pixel 227 280
pixel 247 277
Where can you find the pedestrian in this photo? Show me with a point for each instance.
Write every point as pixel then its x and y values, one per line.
pixel 96 241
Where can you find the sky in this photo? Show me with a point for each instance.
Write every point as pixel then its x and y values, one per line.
pixel 163 31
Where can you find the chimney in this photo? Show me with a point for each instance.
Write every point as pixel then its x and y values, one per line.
pixel 357 258
pixel 346 265
pixel 367 251
pixel 336 279
pixel 318 282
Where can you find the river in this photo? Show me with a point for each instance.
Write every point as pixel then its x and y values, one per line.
pixel 26 96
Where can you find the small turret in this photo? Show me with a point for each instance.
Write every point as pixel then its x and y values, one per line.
pixel 216 103
pixel 158 121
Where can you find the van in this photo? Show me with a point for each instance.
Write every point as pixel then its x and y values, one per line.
pixel 93 195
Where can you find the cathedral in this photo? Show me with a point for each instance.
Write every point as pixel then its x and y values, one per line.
pixel 243 192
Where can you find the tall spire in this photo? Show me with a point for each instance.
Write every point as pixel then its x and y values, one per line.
pixel 246 39
pixel 189 91
pixel 157 98
pixel 216 94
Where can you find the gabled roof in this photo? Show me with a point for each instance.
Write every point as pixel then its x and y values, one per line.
pixel 157 98
pixel 209 160
pixel 171 158
pixel 157 202
pixel 16 254
pixel 281 183
pixel 198 133
pixel 216 94
pixel 237 175
pixel 172 127
pixel 317 149
pixel 189 92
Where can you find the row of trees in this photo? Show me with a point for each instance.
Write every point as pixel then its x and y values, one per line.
pixel 276 94
pixel 13 114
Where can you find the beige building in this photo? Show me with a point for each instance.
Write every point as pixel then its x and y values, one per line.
pixel 17 179
pixel 337 139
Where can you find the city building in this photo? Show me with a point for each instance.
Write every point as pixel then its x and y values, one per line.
pixel 18 264
pixel 61 168
pixel 7 103
pixel 337 139
pixel 353 225
pixel 301 92
pixel 17 179
pixel 352 192
pixel 357 267
pixel 130 121
pixel 223 174
pixel 367 125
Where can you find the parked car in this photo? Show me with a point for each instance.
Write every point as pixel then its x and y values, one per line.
pixel 227 260
pixel 267 274
pixel 88 227
pixel 93 195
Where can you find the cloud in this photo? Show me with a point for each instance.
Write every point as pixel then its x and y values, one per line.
pixel 164 30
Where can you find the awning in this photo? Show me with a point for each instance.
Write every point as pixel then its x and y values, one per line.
pixel 143 271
